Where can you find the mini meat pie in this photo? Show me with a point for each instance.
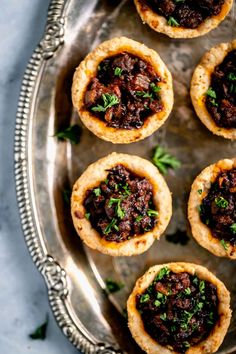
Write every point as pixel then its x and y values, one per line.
pixel 212 208
pixel 122 91
pixel 183 18
pixel 213 90
pixel 120 204
pixel 179 308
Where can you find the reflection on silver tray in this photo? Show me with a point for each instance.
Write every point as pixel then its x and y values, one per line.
pixel 44 167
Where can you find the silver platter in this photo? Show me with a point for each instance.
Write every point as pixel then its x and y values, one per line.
pixel 44 167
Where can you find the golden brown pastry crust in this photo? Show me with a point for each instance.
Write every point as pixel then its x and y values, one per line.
pixel 201 81
pixel 159 23
pixel 201 232
pixel 88 70
pixel 209 345
pixel 92 177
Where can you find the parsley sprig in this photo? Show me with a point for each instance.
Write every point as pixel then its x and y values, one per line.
pixel 119 211
pixel 113 286
pixel 221 202
pixel 173 22
pixel 108 101
pixel 72 133
pixel 163 160
pixel 212 94
pixel 233 228
pixel 40 331
pixel 118 71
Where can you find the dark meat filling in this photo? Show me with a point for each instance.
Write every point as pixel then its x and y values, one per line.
pixel 185 13
pixel 221 97
pixel 124 92
pixel 121 207
pixel 178 309
pixel 218 208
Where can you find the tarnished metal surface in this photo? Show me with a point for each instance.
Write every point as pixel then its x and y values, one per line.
pixel 45 167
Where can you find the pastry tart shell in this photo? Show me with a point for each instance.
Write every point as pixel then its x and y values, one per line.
pixel 201 232
pixel 159 23
pixel 92 177
pixel 201 81
pixel 87 70
pixel 207 346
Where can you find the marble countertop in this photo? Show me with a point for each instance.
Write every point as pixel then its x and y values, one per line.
pixel 23 297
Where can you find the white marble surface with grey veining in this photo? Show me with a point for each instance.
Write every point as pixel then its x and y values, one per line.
pixel 23 296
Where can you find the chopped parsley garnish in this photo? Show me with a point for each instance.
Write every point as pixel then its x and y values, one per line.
pixel 157 303
pixel 112 286
pixel 97 191
pixel 126 189
pixel 120 212
pixel 110 226
pixel 163 316
pixel 40 332
pixel 199 191
pixel 212 94
pixel 151 212
pixel 67 196
pixel 186 344
pixel 139 218
pixel 87 215
pixel 173 22
pixel 108 101
pixel 72 133
pixel 224 244
pixel 233 228
pixel 118 71
pixel 221 202
pixel 195 281
pixel 162 273
pixel 163 160
pixel 202 286
pixel 161 297
pixel 187 291
pixel 144 94
pixel 155 88
pixel 144 298
pixel 232 77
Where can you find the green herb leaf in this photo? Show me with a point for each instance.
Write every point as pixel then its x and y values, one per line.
pixel 221 202
pixel 187 291
pixel 202 286
pixel 139 218
pixel 144 298
pixel 40 332
pixel 173 22
pixel 161 297
pixel 110 226
pixel 155 88
pixel 199 191
pixel 108 101
pixel 163 316
pixel 157 303
pixel 126 189
pixel 224 244
pixel 118 71
pixel 232 77
pixel 184 326
pixel 162 273
pixel 186 344
pixel 179 236
pixel 144 94
pixel 233 228
pixel 87 215
pixel 211 93
pixel 151 212
pixel 195 281
pixel 97 191
pixel 120 212
pixel 163 160
pixel 72 133
pixel 112 286
pixel 67 196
